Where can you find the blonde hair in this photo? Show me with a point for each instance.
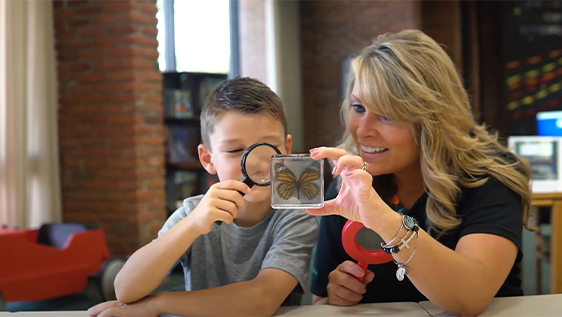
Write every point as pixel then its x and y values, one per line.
pixel 409 78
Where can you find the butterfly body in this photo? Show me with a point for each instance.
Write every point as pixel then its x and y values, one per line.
pixel 289 184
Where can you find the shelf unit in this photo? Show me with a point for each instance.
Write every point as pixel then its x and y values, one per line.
pixel 185 175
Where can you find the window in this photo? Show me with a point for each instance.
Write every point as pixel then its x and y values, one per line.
pixel 194 36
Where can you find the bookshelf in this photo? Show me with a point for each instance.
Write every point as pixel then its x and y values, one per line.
pixel 184 95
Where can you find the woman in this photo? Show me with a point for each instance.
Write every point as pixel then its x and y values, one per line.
pixel 420 153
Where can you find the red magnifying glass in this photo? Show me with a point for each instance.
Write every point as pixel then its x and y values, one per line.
pixel 363 256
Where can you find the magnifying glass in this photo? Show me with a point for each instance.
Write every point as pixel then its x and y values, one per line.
pixel 363 256
pixel 255 165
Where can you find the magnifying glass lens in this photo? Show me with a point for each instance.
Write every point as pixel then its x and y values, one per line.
pixel 257 164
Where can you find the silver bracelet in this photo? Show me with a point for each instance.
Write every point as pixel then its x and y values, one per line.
pixel 402 266
pixel 396 236
pixel 409 223
pixel 405 243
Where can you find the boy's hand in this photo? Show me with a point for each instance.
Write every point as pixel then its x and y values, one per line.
pixel 344 289
pixel 142 308
pixel 221 202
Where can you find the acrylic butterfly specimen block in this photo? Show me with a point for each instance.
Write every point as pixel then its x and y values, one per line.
pixel 296 181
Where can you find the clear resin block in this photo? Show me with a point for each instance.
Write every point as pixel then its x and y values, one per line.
pixel 297 181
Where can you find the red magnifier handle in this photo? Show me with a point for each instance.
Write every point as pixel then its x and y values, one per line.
pixel 363 256
pixel 365 267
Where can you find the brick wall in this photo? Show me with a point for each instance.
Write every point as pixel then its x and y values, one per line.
pixel 331 31
pixel 110 119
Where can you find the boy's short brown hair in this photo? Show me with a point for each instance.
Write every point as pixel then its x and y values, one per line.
pixel 243 95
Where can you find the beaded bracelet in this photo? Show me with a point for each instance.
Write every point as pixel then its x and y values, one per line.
pixel 412 225
pixel 395 248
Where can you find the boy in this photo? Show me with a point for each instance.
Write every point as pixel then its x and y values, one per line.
pixel 252 263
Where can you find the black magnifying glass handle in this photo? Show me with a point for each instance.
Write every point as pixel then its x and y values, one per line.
pixel 246 180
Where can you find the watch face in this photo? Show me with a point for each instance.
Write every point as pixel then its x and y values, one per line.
pixel 409 222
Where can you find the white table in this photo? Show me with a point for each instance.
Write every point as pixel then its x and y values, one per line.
pixel 46 314
pixel 381 309
pixel 540 305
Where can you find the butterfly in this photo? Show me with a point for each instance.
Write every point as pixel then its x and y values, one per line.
pixel 303 186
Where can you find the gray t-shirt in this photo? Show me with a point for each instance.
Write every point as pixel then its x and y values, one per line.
pixel 229 254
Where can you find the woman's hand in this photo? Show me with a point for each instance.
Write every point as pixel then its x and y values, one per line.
pixel 357 200
pixel 343 288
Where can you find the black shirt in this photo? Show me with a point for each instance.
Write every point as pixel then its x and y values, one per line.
pixel 492 208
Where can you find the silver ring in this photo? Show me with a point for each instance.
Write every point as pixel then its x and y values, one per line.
pixel 365 166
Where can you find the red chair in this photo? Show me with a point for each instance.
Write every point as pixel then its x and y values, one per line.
pixel 53 261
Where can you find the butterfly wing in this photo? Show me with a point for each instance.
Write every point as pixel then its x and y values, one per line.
pixel 306 186
pixel 288 185
pixel 309 190
pixel 286 190
pixel 284 174
pixel 310 173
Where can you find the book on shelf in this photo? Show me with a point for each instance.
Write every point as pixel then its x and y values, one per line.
pixel 178 104
pixel 182 144
pixel 206 87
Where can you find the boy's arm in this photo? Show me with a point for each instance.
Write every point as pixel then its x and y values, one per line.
pixel 286 264
pixel 148 266
pixel 258 297
pixel 261 296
